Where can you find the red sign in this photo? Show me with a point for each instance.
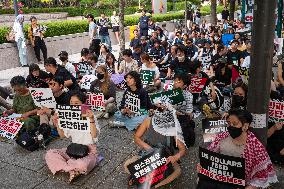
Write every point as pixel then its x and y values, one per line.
pixel 197 84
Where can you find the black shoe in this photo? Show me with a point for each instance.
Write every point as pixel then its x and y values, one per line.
pixel 25 66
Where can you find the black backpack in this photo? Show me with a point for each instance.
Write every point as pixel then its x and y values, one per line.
pixel 36 138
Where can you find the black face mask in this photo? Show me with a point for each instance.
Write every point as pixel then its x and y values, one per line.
pixel 100 76
pixel 238 101
pixel 234 132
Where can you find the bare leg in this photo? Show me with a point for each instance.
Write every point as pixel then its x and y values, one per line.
pixel 117 37
pixel 129 161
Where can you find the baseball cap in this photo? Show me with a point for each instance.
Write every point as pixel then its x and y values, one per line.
pixel 63 53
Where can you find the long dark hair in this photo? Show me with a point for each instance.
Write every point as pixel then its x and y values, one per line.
pixel 110 55
pixel 136 77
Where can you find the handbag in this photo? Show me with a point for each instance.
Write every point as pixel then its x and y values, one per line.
pixel 77 151
pixel 11 36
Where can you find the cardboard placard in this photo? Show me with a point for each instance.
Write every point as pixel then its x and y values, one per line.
pixel 276 111
pixel 197 84
pixel 244 73
pixel 9 127
pixel 221 168
pixel 211 127
pixel 70 118
pixel 168 85
pixel 151 169
pixel 86 81
pixel 43 97
pixel 175 96
pixel 96 101
pixel 132 101
pixel 147 77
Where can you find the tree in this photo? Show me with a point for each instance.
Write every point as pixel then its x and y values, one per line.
pixel 232 9
pixel 121 25
pixel 213 12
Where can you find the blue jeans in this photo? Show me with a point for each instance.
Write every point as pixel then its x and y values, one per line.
pixel 130 123
pixel 22 51
pixel 106 39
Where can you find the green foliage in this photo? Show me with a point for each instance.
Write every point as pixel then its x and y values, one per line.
pixel 205 10
pixel 57 28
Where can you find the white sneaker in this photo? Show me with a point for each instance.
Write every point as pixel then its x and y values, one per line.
pixel 116 124
pixel 106 115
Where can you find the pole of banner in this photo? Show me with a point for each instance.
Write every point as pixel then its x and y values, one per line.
pixel 16 8
pixel 261 65
pixel 243 10
pixel 280 18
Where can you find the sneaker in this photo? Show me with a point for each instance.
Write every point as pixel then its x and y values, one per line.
pixel 106 116
pixel 100 115
pixel 116 124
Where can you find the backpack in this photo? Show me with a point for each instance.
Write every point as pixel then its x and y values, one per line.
pixel 34 139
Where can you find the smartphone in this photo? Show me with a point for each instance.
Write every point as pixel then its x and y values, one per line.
pixel 84 108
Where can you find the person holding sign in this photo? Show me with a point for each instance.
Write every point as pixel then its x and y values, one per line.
pixel 135 103
pixel 238 141
pixel 148 65
pixel 58 159
pixel 157 132
pixel 23 103
pixel 184 109
pixel 104 85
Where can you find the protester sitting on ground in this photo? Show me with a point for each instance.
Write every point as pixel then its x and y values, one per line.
pixel 137 51
pixel 150 66
pixel 161 35
pixel 167 61
pixel 135 103
pixel 184 109
pixel 144 44
pixel 160 131
pixel 111 64
pixel 93 61
pixel 58 160
pixel 239 98
pixel 63 56
pixel 157 52
pixel 128 64
pixel 56 70
pixel 103 53
pixel 239 141
pixel 223 76
pixel 85 52
pixel 37 78
pixel 23 104
pixel 104 85
pixel 56 85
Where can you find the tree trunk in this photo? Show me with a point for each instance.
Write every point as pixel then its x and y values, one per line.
pixel 232 9
pixel 213 12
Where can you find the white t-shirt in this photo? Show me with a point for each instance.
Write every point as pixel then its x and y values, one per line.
pixel 155 69
pixel 70 68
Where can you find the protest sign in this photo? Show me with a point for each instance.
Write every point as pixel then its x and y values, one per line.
pixel 197 84
pixel 244 73
pixel 211 127
pixel 86 81
pixel 9 127
pixel 276 110
pixel 147 77
pixel 43 97
pixel 168 85
pixel 221 168
pixel 83 68
pixel 151 169
pixel 70 118
pixel 96 101
pixel 132 101
pixel 175 96
pixel 227 38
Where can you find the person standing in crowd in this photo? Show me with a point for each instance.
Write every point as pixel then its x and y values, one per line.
pixel 225 14
pixel 197 17
pixel 55 70
pixel 58 160
pixel 189 18
pixel 37 78
pixel 36 34
pixel 143 24
pixel 92 27
pixel 63 57
pixel 114 19
pixel 18 29
pixel 239 141
pixel 104 85
pixel 128 64
pixel 104 24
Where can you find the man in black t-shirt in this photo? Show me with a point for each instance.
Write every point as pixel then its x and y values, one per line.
pixel 225 14
pixel 235 56
pixel 56 70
